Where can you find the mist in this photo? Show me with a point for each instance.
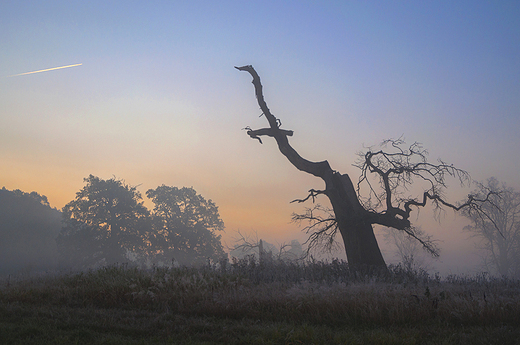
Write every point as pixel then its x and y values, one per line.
pixel 156 101
pixel 28 229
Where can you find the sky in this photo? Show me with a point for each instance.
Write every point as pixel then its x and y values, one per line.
pixel 156 99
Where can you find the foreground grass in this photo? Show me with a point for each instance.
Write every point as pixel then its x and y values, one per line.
pixel 247 303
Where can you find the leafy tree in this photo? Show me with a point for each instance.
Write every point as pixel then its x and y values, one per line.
pixel 394 167
pixel 185 226
pixel 103 225
pixel 28 229
pixel 497 225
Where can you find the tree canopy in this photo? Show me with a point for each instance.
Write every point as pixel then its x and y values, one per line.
pixel 103 224
pixel 107 223
pixel 185 226
pixel 28 229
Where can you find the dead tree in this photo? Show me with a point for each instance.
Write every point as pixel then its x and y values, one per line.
pixel 354 217
pixel 498 228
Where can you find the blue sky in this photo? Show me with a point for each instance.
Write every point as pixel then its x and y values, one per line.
pixel 157 100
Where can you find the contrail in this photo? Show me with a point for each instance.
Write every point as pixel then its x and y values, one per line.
pixel 45 70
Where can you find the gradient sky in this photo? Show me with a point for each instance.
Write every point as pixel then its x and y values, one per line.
pixel 157 100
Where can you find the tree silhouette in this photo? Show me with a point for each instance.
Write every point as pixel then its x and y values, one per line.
pixel 353 216
pixel 497 225
pixel 104 224
pixel 185 226
pixel 28 229
pixel 107 224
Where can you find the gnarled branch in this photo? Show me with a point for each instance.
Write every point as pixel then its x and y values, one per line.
pixel 312 194
pixel 255 134
pixel 322 230
pixel 319 169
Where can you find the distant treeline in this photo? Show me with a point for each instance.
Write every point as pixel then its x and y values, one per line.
pixel 106 224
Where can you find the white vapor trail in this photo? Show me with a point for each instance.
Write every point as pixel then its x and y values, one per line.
pixel 45 70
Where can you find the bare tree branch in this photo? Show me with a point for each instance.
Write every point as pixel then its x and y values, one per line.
pixel 496 223
pixel 394 166
pixel 322 230
pixel 398 168
pixel 319 169
pixel 312 194
pixel 425 240
pixel 245 243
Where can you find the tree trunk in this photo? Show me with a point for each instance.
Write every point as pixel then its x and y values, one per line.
pixel 358 236
pixel 261 253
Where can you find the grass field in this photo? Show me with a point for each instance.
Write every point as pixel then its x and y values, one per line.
pixel 251 303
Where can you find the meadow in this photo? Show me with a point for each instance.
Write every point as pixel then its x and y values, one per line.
pixel 247 302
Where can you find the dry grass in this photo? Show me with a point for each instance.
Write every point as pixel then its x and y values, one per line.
pixel 246 302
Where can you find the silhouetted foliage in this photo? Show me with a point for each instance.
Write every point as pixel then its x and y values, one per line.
pixel 185 226
pixel 28 229
pixel 497 225
pixel 103 225
pixel 107 223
